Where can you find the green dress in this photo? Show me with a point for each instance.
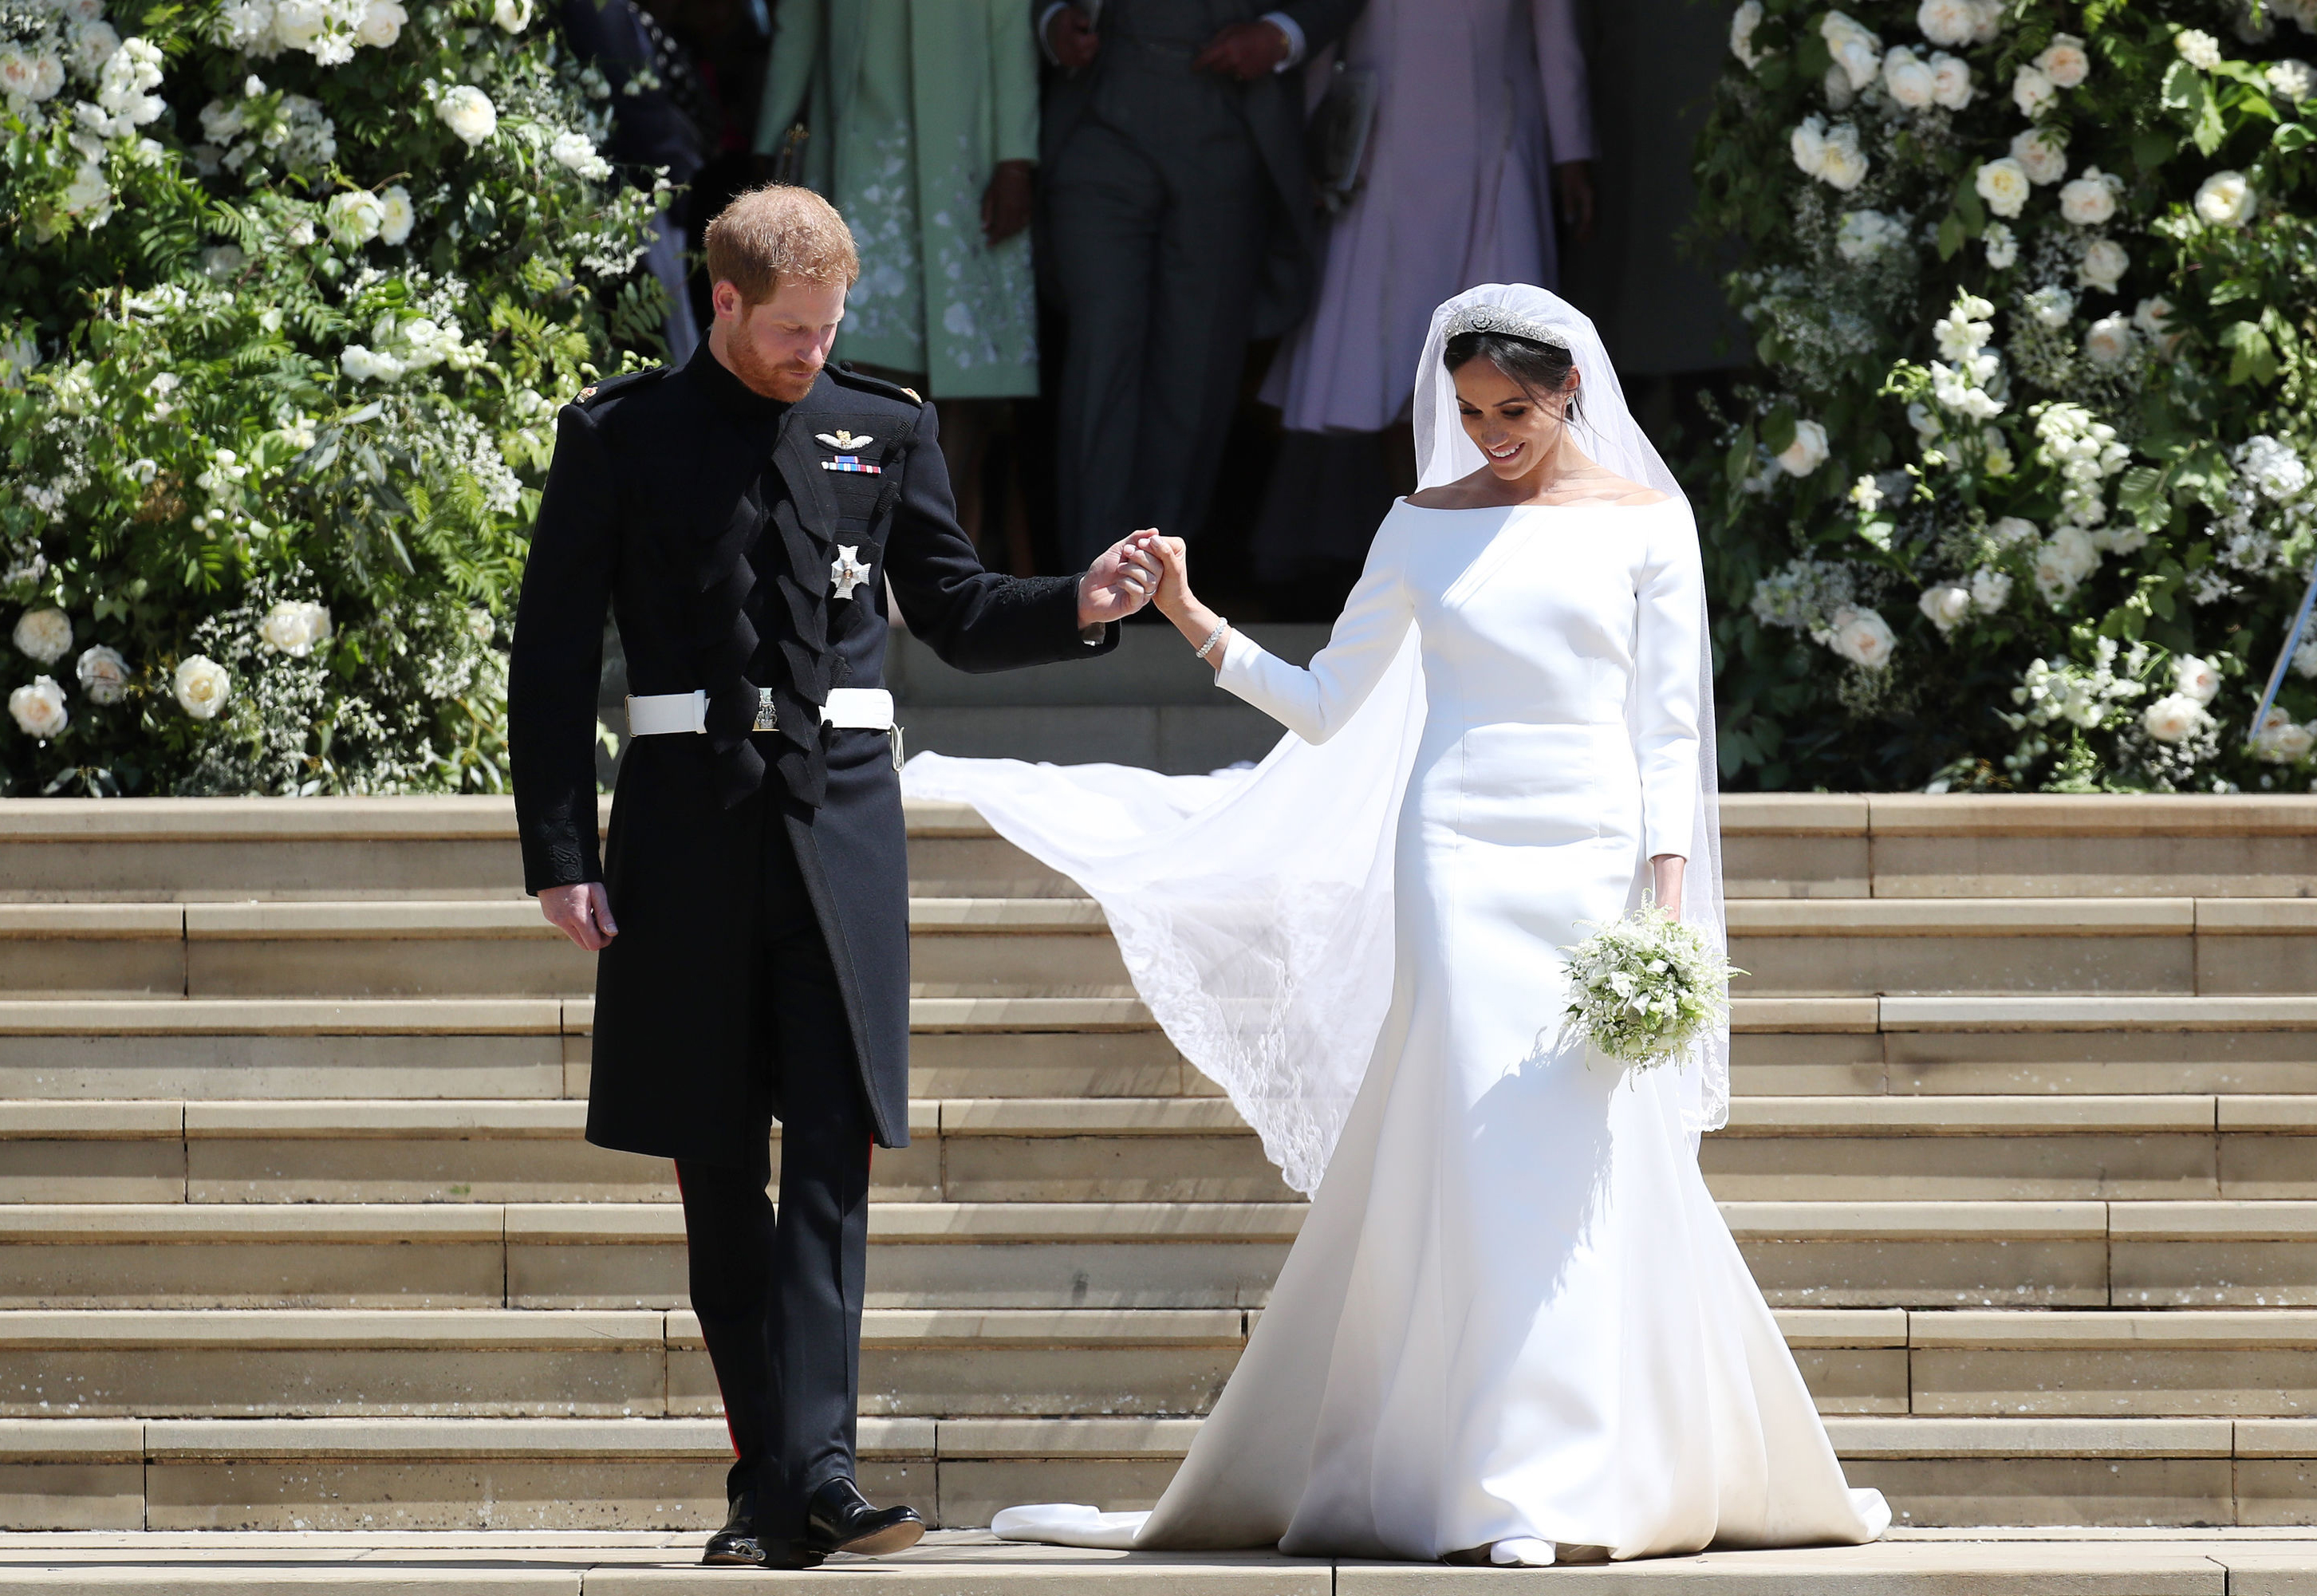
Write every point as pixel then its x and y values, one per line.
pixel 910 104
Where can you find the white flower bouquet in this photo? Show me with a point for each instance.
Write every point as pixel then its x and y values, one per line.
pixel 1643 990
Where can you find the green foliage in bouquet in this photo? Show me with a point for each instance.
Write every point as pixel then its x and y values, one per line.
pixel 1644 990
pixel 2019 494
pixel 294 290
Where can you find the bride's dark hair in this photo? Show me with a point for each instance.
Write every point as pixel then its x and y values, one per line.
pixel 1542 370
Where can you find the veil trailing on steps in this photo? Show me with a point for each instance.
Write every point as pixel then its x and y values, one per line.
pixel 1254 908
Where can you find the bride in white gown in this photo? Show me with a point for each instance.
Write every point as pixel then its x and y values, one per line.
pixel 1514 1327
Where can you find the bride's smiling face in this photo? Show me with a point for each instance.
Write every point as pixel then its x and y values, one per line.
pixel 1516 430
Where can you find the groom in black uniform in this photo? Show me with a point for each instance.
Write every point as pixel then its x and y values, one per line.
pixel 742 516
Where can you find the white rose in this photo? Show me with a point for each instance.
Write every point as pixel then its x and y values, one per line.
pixel 1908 78
pixel 43 635
pixel 1861 235
pixel 2002 245
pixel 354 218
pixel 2104 264
pixel 576 152
pixel 2281 740
pixel 103 675
pixel 1864 638
pixel 1947 22
pixel 1856 50
pixel 2110 340
pixel 469 113
pixel 2042 153
pixel 2053 308
pixel 2199 49
pixel 1845 166
pixel 381 24
pixel 298 234
pixel 1839 95
pixel 2196 679
pixel 17 73
pixel 2004 184
pixel 2153 317
pixel 1946 604
pixel 39 708
pixel 2012 530
pixel 92 45
pixel 513 16
pixel 1991 590
pixel 396 215
pixel 2032 91
pixel 2174 718
pixel 295 628
pixel 202 687
pixel 1807 452
pixel 2293 80
pixel 297 24
pixel 1742 23
pixel 1951 84
pixel 2225 200
pixel 2090 200
pixel 1986 20
pixel 2064 61
pixel 1807 143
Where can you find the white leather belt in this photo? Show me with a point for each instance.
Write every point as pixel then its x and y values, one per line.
pixel 857 709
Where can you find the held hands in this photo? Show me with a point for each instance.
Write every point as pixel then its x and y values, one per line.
pixel 583 913
pixel 1119 583
pixel 1175 599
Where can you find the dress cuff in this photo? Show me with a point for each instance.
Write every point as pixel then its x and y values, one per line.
pixel 1280 20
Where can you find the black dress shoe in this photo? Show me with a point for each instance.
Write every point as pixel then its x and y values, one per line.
pixel 740 1545
pixel 840 1518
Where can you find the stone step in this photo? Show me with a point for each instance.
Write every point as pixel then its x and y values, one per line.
pixel 1080 1362
pixel 1114 1255
pixel 414 1473
pixel 1169 1148
pixel 1776 846
pixel 1057 947
pixel 1051 1047
pixel 2048 1562
pixel 454 948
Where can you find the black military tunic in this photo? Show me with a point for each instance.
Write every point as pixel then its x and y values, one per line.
pixel 708 519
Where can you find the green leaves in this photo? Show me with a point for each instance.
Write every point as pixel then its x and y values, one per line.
pixel 2252 357
pixel 2187 93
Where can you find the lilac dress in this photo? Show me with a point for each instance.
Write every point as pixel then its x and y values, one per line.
pixel 1477 100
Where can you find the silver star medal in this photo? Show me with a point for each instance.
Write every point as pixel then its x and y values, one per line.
pixel 845 572
pixel 843 441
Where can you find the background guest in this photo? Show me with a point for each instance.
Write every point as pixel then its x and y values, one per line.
pixel 922 127
pixel 1483 132
pixel 1179 224
pixel 662 118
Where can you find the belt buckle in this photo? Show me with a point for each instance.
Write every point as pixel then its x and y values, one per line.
pixel 768 715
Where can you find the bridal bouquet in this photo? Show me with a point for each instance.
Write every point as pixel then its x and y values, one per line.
pixel 1643 989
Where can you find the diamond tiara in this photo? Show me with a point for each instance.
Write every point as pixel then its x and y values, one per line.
pixel 1495 318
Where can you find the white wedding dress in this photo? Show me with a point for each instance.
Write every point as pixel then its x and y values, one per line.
pixel 1514 1317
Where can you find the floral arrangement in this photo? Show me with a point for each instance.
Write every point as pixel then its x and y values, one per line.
pixel 1643 989
pixel 2019 493
pixel 294 290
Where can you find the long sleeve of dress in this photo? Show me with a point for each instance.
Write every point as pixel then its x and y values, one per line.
pixel 1315 703
pixel 1667 650
pixel 1561 72
pixel 1013 81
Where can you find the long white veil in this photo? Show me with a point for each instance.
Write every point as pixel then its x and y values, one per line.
pixel 1253 909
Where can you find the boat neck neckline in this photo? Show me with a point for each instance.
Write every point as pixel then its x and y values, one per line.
pixel 1402 502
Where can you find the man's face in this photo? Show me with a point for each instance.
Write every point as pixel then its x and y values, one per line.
pixel 778 347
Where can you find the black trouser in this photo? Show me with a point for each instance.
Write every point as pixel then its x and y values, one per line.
pixel 1157 241
pixel 779 1297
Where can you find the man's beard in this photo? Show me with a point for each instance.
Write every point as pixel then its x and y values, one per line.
pixel 787 384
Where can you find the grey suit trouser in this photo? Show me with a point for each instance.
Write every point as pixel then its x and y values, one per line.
pixel 1156 240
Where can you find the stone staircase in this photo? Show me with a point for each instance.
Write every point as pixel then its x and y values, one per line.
pixel 301 1231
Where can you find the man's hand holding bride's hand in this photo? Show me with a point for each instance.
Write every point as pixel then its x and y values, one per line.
pixel 1119 583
